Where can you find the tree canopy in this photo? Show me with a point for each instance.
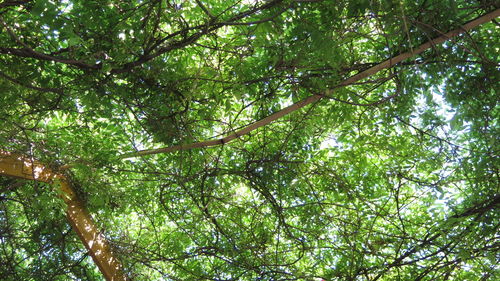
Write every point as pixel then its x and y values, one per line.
pixel 254 139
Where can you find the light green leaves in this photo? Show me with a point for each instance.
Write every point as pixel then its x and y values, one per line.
pixel 400 189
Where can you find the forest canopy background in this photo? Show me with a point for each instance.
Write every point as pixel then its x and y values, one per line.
pixel 392 177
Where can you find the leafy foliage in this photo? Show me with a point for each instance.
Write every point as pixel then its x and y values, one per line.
pixel 394 177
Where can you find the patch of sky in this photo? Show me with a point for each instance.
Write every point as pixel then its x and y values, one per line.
pixel 68 6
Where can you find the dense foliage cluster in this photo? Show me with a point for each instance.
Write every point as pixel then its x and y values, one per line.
pixel 394 177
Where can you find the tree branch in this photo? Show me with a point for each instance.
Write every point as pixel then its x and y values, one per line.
pixel 294 107
pixel 30 53
pixel 204 29
pixel 13 3
pixel 44 90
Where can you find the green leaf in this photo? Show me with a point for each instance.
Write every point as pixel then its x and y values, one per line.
pixel 39 7
pixel 456 123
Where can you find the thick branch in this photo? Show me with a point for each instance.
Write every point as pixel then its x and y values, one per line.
pixel 30 53
pixel 154 51
pixel 204 29
pixel 13 3
pixel 25 168
pixel 294 107
pixel 44 90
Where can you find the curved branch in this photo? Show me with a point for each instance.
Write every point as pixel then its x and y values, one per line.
pixel 18 166
pixel 353 79
pixel 204 29
pixel 152 52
